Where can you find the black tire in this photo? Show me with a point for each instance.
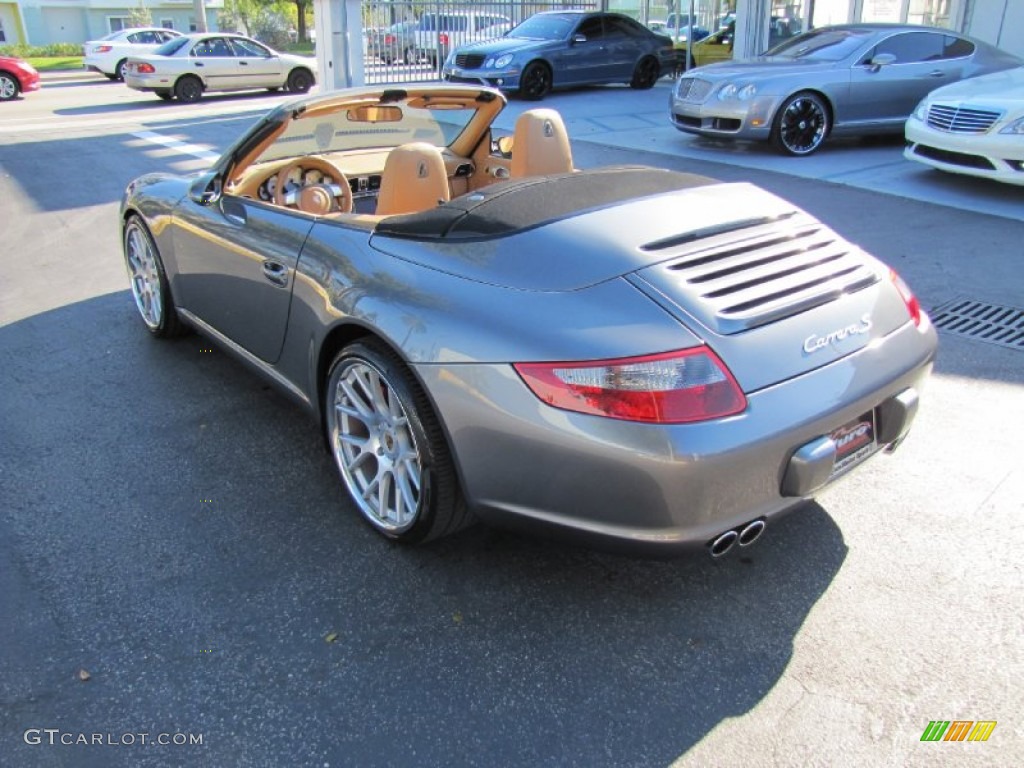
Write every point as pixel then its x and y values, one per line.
pixel 121 70
pixel 188 88
pixel 157 310
pixel 9 88
pixel 112 78
pixel 645 74
pixel 164 94
pixel 385 439
pixel 300 80
pixel 535 82
pixel 802 124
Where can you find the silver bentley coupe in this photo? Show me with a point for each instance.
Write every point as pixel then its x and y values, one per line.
pixel 847 80
pixel 626 355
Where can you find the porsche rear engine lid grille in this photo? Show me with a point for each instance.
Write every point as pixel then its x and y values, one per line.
pixel 754 272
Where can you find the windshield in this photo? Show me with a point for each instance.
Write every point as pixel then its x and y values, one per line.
pixel 822 45
pixel 546 26
pixel 345 129
pixel 171 46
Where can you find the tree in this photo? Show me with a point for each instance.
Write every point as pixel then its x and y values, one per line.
pixel 140 16
pixel 300 9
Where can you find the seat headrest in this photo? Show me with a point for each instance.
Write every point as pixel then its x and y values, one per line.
pixel 540 145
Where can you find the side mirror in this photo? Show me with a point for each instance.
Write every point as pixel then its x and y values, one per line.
pixel 206 189
pixel 882 60
pixel 579 39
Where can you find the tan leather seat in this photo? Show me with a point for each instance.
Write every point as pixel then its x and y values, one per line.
pixel 414 179
pixel 540 144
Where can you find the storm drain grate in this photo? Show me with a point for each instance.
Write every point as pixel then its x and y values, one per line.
pixel 991 323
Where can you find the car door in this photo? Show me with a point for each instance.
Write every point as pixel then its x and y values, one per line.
pixel 213 59
pixel 258 67
pixel 714 48
pixel 888 93
pixel 622 48
pixel 583 60
pixel 236 264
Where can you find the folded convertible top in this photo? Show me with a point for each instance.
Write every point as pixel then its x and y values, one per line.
pixel 513 206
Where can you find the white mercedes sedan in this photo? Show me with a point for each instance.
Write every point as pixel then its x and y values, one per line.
pixel 974 127
pixel 188 66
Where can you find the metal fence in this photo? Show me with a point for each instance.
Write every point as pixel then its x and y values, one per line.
pixel 408 41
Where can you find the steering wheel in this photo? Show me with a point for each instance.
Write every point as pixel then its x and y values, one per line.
pixel 315 198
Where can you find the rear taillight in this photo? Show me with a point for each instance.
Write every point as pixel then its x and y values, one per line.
pixel 913 305
pixel 143 68
pixel 103 49
pixel 389 39
pixel 668 388
pixel 443 37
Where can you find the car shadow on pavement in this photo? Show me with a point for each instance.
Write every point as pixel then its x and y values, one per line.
pixel 179 532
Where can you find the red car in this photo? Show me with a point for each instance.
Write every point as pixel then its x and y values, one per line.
pixel 16 76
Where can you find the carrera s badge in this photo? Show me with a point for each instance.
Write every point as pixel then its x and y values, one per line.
pixel 815 342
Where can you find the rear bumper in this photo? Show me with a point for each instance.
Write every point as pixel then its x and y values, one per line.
pixel 153 82
pixel 100 66
pixel 659 489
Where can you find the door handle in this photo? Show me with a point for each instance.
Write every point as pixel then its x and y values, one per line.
pixel 936 73
pixel 199 63
pixel 233 210
pixel 275 272
pixel 244 63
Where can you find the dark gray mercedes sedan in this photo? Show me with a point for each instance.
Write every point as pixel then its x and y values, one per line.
pixel 625 355
pixel 854 79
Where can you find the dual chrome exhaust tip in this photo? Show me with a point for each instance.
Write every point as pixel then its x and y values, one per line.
pixel 743 535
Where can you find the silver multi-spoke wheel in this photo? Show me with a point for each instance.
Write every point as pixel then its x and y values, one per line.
pixel 148 281
pixel 389 446
pixel 375 448
pixel 144 275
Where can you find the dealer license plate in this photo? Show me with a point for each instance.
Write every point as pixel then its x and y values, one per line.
pixel 855 441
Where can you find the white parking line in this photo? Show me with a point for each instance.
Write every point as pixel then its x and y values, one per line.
pixel 203 153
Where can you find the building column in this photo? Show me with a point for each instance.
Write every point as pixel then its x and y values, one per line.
pixel 339 44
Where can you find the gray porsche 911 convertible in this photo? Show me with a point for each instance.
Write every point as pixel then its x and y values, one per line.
pixel 627 355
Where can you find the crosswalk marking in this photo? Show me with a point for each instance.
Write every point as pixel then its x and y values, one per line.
pixel 182 147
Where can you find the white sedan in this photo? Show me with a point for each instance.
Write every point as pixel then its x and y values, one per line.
pixel 109 54
pixel 974 127
pixel 188 66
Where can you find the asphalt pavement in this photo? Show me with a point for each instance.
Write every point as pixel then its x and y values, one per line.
pixel 177 558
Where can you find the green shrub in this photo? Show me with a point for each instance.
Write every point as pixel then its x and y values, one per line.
pixel 41 51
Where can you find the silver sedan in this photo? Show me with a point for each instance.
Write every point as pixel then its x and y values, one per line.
pixel 854 79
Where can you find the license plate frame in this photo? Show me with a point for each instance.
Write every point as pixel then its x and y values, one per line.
pixel 856 441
